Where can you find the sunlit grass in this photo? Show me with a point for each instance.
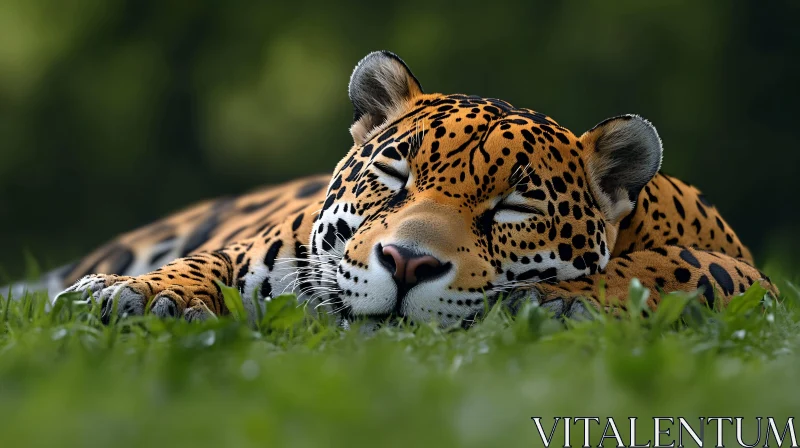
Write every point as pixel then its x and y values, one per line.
pixel 290 379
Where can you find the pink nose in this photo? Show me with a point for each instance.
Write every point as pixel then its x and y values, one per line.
pixel 409 268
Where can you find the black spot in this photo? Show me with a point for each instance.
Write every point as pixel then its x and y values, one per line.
pixel 696 225
pixel 535 194
pixel 297 221
pixel 366 151
pixel 301 253
pixel 578 241
pixel 526 134
pixel 389 132
pixel 679 207
pixel 551 190
pixel 559 184
pixel 555 153
pixel 329 239
pixel 722 277
pixel 343 229
pixel 492 110
pixel 591 259
pixel 336 183
pixel 719 223
pixel 310 189
pixel 565 251
pixel 566 231
pixel 266 289
pixel 682 275
pixel 403 148
pixel 391 153
pixel 689 258
pixel 708 290
pixel 272 253
pixel 701 209
pixel 242 270
pixel 328 201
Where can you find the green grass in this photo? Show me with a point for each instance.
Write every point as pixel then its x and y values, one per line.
pixel 67 380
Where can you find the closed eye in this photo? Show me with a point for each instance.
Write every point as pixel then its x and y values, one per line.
pixel 519 208
pixel 510 211
pixel 391 171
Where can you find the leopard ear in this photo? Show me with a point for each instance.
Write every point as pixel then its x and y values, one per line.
pixel 623 155
pixel 381 85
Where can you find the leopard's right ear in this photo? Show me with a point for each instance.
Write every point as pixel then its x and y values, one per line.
pixel 381 85
pixel 624 154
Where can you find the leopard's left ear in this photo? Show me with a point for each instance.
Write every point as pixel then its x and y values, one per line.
pixel 381 85
pixel 623 155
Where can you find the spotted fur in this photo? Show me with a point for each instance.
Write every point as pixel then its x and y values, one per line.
pixel 480 199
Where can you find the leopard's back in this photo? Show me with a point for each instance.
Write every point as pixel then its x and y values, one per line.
pixel 670 212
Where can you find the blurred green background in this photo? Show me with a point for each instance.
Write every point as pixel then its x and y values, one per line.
pixel 114 113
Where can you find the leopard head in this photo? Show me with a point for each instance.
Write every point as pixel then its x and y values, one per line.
pixel 446 203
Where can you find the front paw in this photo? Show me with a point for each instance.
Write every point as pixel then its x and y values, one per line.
pixel 561 303
pixel 130 296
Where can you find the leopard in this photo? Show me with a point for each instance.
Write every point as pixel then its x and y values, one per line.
pixel 444 206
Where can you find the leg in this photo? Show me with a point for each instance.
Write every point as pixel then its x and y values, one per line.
pixel 174 289
pixel 666 269
pixel 188 286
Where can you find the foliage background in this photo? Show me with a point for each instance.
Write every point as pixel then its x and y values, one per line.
pixel 114 113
